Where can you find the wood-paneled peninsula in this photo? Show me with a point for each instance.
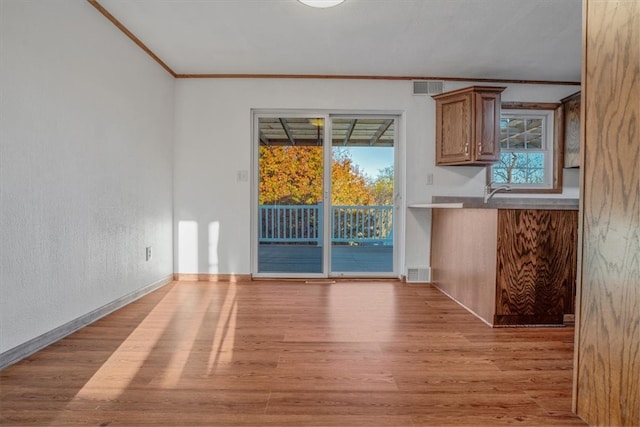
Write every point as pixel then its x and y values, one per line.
pixel 511 261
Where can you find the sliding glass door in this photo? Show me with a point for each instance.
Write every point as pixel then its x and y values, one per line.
pixel 362 195
pixel 290 226
pixel 325 192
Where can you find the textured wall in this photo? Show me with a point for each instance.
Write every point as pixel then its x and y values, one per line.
pixel 213 142
pixel 86 137
pixel 608 310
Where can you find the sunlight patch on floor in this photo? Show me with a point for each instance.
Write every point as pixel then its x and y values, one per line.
pixel 116 374
pixel 224 339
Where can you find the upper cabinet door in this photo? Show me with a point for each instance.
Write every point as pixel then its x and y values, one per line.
pixel 487 126
pixel 467 126
pixel 455 126
pixel 571 106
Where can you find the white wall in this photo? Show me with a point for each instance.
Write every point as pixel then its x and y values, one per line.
pixel 213 142
pixel 86 131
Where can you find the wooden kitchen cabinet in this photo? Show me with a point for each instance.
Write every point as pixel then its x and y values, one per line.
pixel 536 266
pixel 510 267
pixel 468 126
pixel 571 107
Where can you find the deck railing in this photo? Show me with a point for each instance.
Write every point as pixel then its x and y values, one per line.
pixel 303 224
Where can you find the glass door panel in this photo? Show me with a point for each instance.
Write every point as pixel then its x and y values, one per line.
pixel 362 195
pixel 290 196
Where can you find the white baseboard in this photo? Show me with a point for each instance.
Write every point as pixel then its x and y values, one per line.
pixel 26 349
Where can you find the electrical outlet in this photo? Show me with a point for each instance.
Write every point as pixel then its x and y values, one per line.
pixel 148 253
pixel 429 179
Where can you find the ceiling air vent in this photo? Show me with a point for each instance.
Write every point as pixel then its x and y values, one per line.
pixel 418 275
pixel 427 87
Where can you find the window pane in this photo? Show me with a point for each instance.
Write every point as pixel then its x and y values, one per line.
pixel 504 133
pixel 526 152
pixel 534 141
pixel 519 168
pixel 534 125
pixel 517 141
pixel 522 132
pixel 511 132
pixel 516 125
pixel 534 133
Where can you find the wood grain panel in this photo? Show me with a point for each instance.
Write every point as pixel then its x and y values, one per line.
pixel 530 105
pixel 571 109
pixel 608 318
pixel 454 125
pixel 536 265
pixel 467 125
pixel 463 257
pixel 488 126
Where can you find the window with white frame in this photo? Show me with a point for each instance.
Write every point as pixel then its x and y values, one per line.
pixel 526 150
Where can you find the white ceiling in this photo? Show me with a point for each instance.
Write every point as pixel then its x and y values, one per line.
pixel 495 39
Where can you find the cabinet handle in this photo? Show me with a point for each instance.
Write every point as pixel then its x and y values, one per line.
pixel 479 147
pixel 466 148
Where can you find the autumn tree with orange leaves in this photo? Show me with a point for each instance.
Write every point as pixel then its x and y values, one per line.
pixel 292 175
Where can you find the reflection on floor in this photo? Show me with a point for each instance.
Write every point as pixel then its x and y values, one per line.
pixel 308 259
pixel 272 353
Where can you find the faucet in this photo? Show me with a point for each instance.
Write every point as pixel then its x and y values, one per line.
pixel 488 192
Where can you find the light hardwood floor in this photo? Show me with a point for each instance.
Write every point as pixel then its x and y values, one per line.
pixel 283 353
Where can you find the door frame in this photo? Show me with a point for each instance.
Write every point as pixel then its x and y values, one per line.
pixel 399 189
pixel 398 195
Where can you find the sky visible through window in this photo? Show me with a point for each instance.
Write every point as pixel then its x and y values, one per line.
pixel 371 159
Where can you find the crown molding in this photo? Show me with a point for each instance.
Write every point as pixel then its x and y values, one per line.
pixel 131 36
pixel 155 57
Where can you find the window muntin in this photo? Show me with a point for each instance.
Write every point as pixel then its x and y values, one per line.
pixel 526 150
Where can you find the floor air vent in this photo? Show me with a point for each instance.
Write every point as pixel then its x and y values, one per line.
pixel 419 275
pixel 427 87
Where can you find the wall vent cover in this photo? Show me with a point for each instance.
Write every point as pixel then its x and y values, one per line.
pixel 418 275
pixel 427 87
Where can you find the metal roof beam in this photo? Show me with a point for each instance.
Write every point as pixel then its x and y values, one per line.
pixel 381 130
pixel 347 136
pixel 287 130
pixel 264 139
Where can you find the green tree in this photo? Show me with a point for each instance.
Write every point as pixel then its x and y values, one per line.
pixel 381 187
